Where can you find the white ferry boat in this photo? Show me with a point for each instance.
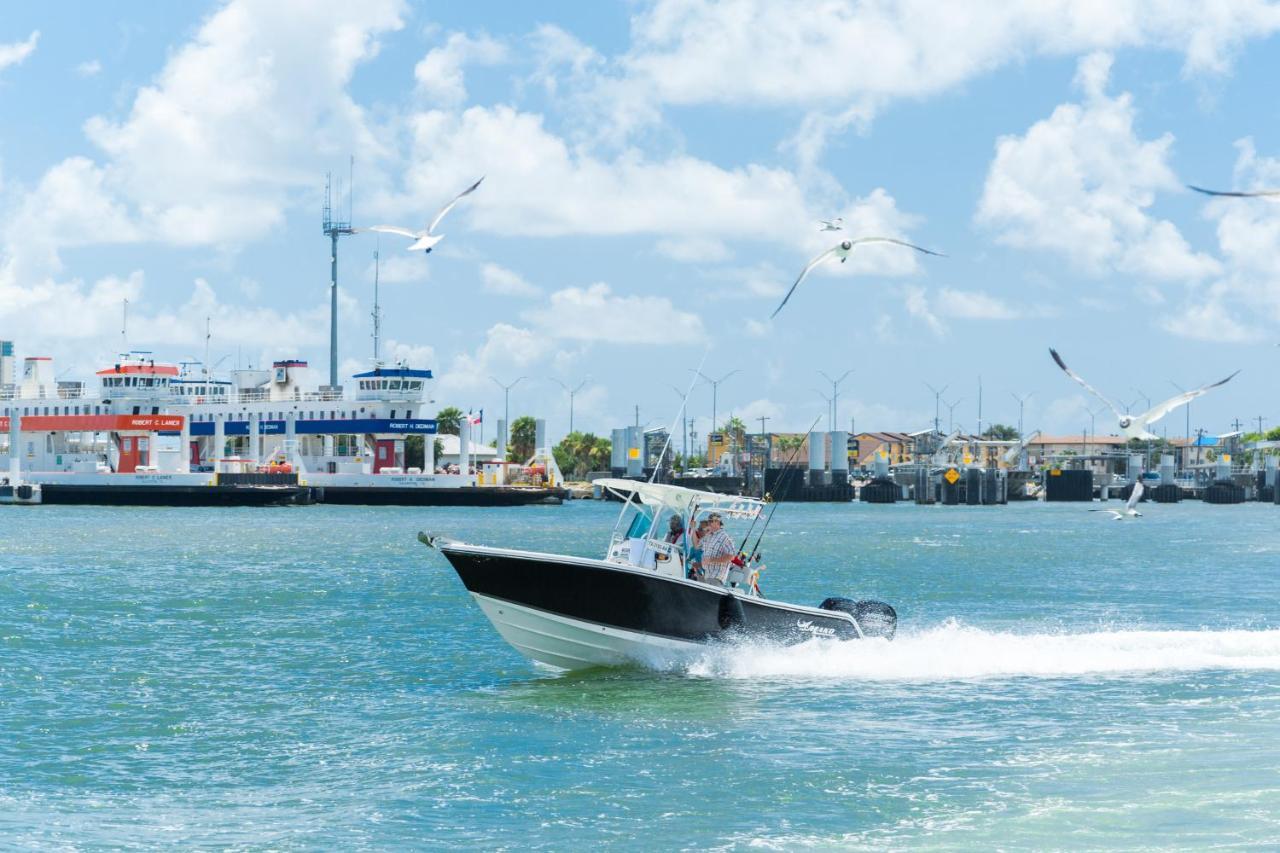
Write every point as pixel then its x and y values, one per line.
pixel 156 433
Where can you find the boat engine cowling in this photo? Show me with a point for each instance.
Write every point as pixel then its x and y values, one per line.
pixel 874 618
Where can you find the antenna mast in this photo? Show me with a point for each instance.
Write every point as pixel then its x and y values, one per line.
pixel 333 229
pixel 207 335
pixel 124 326
pixel 377 311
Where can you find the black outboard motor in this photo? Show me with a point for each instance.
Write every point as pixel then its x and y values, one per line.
pixel 874 618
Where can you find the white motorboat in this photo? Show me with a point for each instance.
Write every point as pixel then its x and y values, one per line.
pixel 639 603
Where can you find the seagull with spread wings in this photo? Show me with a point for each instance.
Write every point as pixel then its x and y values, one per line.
pixel 426 240
pixel 1137 426
pixel 1233 194
pixel 842 250
pixel 836 224
pixel 1131 507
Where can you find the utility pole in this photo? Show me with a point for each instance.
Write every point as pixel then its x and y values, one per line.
pixel 506 407
pixel 637 416
pixel 763 418
pixel 571 392
pixel 715 388
pixel 937 397
pixel 835 397
pixel 1236 425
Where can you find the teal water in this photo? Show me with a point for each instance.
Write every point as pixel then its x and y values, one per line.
pixel 315 678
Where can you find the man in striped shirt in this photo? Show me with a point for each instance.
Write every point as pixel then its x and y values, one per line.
pixel 718 551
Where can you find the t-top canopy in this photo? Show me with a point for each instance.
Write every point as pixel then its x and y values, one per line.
pixel 682 499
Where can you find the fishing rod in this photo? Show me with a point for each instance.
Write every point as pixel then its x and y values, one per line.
pixel 684 401
pixel 782 480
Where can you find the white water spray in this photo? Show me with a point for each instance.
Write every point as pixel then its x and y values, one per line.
pixel 953 651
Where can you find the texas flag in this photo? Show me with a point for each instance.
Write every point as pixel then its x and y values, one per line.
pixel 475 419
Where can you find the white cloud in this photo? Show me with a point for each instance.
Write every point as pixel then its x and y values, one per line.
pixel 1245 300
pixel 974 305
pixel 506 349
pixel 1080 182
pixel 749 52
pixel 417 356
pixel 242 116
pixel 594 313
pixel 557 52
pixel 500 280
pixel 917 304
pixel 399 267
pixel 89 68
pixel 440 72
pixel 549 188
pixel 1206 318
pixel 692 250
pixel 15 53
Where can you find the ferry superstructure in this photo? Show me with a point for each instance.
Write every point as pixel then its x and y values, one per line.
pixel 157 432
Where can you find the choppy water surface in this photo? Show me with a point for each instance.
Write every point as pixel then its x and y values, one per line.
pixel 313 677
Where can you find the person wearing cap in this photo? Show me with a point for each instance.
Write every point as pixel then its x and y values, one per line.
pixel 718 551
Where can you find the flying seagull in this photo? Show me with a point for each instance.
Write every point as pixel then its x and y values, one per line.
pixel 1137 426
pixel 841 250
pixel 1130 509
pixel 1232 194
pixel 836 224
pixel 426 240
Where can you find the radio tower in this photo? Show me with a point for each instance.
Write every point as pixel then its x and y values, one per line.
pixel 333 229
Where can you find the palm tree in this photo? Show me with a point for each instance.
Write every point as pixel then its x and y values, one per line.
pixel 524 435
pixel 448 420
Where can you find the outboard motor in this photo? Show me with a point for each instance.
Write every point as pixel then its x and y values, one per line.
pixel 874 618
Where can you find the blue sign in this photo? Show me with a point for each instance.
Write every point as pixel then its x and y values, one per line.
pixel 414 426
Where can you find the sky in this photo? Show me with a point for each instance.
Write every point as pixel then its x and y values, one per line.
pixel 654 176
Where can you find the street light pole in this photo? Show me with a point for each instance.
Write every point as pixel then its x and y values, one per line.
pixel 1188 428
pixel 951 413
pixel 571 392
pixel 835 397
pixel 715 389
pixel 1021 402
pixel 506 408
pixel 937 397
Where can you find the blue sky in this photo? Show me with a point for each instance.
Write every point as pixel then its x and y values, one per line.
pixel 654 176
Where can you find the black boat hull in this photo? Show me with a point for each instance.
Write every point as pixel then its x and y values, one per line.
pixel 575 612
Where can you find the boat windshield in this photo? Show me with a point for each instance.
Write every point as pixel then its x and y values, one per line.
pixel 640 525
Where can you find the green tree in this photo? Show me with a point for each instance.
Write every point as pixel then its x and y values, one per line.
pixel 577 453
pixel 1273 434
pixel 1000 432
pixel 415 451
pixel 448 420
pixel 524 435
pixel 736 428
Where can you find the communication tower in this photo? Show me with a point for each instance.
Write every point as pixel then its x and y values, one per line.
pixel 334 227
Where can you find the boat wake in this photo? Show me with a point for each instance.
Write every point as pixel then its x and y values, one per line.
pixel 954 651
